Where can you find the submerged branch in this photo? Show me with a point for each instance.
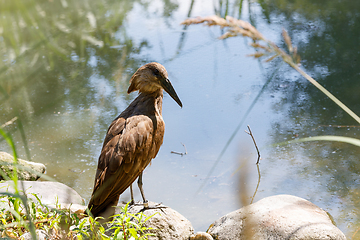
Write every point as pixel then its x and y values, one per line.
pixel 258 183
pixel 257 163
pixel 257 149
pixel 11 121
pixel 179 153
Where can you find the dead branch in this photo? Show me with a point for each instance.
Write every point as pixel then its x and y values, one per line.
pixel 179 153
pixel 257 149
pixel 9 122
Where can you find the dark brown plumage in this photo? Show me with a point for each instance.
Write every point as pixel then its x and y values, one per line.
pixel 132 140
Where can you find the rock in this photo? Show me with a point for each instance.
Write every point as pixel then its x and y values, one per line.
pixel 49 193
pixel 27 170
pixel 276 217
pixel 41 235
pixel 168 224
pixel 201 236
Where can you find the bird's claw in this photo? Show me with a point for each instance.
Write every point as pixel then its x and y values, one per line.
pixel 156 206
pixel 144 204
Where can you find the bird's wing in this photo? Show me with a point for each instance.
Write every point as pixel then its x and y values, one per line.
pixel 127 150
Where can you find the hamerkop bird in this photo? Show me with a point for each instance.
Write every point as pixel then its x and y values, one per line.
pixel 132 140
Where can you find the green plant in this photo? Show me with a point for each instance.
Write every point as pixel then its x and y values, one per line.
pixel 15 200
pixel 64 224
pixel 16 215
pixel 88 228
pixel 127 225
pixel 20 214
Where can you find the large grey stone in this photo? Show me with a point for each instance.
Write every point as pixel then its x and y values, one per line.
pixel 49 193
pixel 26 170
pixel 276 217
pixel 168 224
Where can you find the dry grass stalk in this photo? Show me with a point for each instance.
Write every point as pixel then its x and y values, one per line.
pixel 264 47
pixel 287 40
pixel 237 27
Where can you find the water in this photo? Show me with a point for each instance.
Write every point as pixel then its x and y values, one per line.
pixel 65 70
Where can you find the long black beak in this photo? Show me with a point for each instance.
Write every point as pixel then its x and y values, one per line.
pixel 166 84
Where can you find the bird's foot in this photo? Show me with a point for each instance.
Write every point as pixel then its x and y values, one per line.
pixel 142 207
pixel 159 205
pixel 144 204
pixel 155 206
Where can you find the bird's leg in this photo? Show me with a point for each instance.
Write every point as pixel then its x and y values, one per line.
pixel 140 184
pixel 132 196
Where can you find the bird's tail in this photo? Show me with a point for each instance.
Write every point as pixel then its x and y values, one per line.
pixel 105 209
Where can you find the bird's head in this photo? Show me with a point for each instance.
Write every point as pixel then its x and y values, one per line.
pixel 151 78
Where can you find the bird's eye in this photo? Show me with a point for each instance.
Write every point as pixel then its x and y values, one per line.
pixel 156 73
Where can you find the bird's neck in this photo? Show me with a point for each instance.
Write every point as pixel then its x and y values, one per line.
pixel 158 102
pixel 152 100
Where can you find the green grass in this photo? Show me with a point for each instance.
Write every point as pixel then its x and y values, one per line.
pixel 20 214
pixel 63 223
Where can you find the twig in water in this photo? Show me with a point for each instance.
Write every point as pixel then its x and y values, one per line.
pixel 9 122
pixel 355 233
pixel 257 163
pixel 257 149
pixel 179 153
pixel 257 186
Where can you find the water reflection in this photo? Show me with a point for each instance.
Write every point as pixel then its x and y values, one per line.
pixel 51 49
pixel 325 35
pixel 65 71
